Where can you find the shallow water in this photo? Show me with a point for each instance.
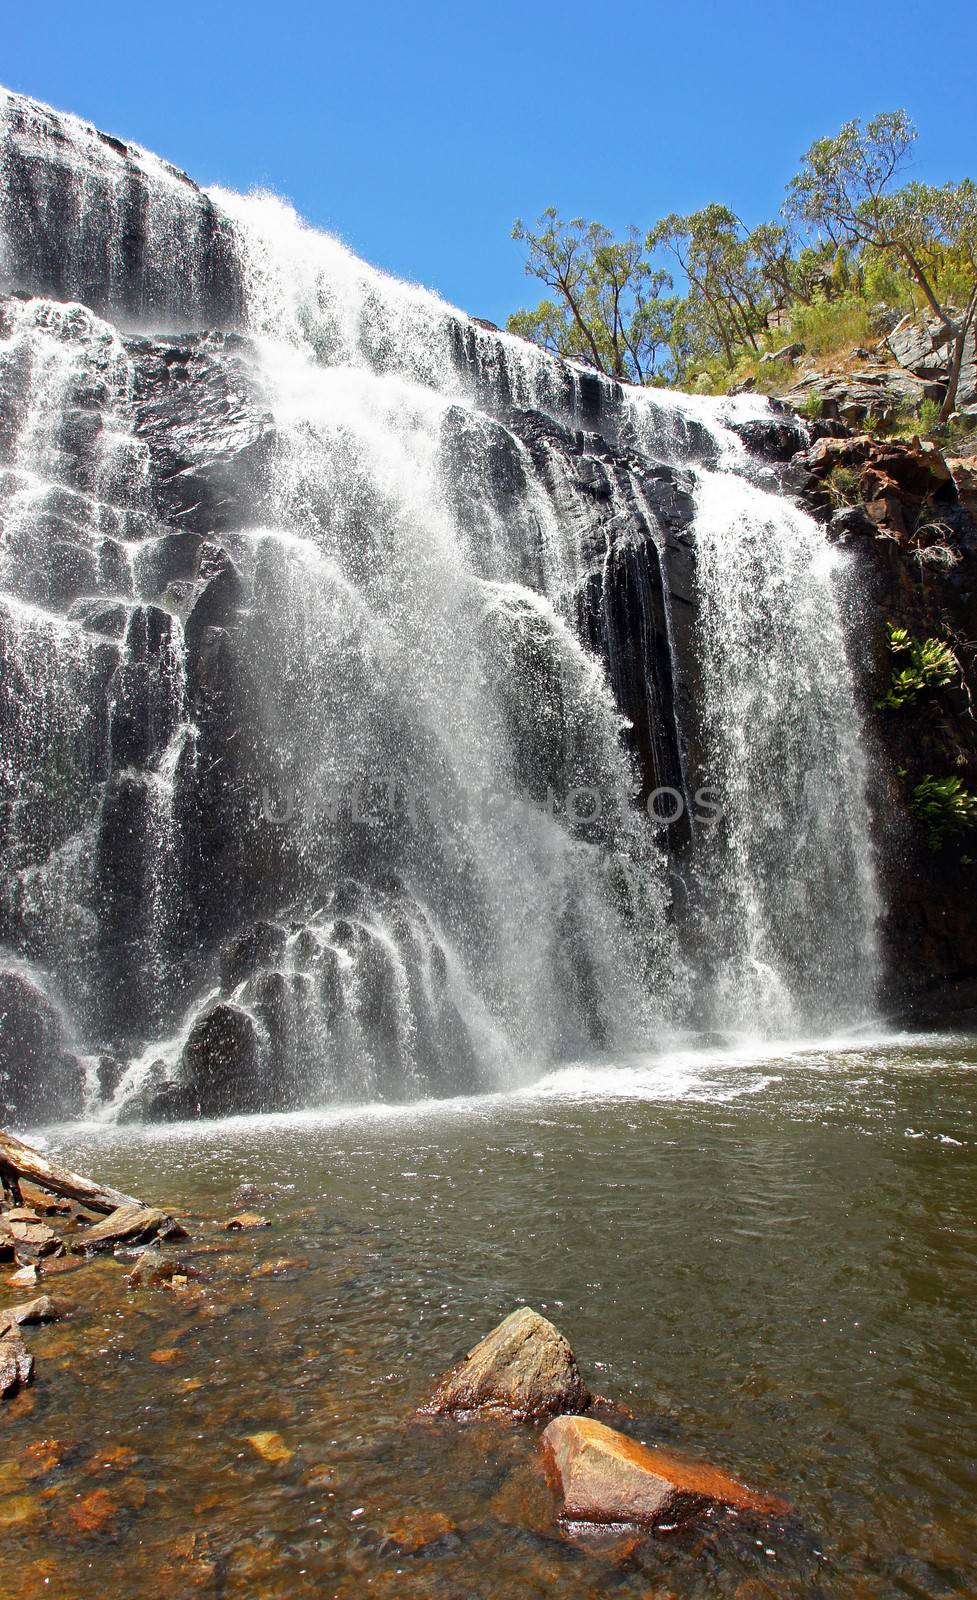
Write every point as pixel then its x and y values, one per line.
pixel 771 1258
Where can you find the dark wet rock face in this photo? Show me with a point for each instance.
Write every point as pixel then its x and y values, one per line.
pixel 137 240
pixel 39 1074
pixel 902 511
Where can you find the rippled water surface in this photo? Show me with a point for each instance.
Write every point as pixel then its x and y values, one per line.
pixel 772 1260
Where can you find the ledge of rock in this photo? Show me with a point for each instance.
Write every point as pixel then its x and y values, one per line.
pixel 42 1309
pixel 524 1367
pixel 129 1225
pixel 602 1476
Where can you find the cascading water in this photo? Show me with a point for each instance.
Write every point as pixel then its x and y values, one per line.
pixel 346 643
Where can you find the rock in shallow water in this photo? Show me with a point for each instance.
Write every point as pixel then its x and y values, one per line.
pixel 42 1309
pixel 524 1367
pixel 602 1476
pixel 129 1225
pixel 16 1365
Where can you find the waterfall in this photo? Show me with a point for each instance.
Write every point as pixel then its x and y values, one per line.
pixel 356 656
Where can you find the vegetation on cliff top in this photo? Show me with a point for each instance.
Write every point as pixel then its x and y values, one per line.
pixel 851 244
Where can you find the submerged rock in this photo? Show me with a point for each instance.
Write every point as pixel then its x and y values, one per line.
pixel 603 1476
pixel 270 1446
pixel 417 1531
pixel 153 1271
pixel 245 1222
pixel 524 1366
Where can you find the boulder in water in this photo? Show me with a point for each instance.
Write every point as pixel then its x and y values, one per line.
pixel 603 1476
pixel 16 1365
pixel 41 1309
pixel 524 1367
pixel 220 1069
pixel 39 1076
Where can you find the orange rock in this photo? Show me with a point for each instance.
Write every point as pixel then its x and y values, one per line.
pixel 278 1269
pixel 603 1476
pixel 93 1514
pixel 119 1459
pixel 270 1446
pixel 44 1455
pixel 416 1530
pixel 245 1222
pixel 166 1358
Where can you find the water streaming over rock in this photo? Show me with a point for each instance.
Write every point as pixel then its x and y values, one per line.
pixel 346 644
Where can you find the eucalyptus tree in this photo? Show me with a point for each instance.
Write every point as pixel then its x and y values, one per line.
pixel 846 189
pixel 609 307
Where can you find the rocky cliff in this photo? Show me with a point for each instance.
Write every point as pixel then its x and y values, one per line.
pixel 907 515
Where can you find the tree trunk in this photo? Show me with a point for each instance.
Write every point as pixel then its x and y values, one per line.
pixel 959 342
pixel 18 1161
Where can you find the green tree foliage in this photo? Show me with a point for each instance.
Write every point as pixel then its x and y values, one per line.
pixel 846 189
pixel 852 236
pixel 611 307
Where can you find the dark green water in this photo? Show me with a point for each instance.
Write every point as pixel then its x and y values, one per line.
pixel 773 1262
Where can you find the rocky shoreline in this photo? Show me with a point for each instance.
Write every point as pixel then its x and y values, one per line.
pixel 601 1480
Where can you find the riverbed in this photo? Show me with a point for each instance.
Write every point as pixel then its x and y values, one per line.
pixel 768 1254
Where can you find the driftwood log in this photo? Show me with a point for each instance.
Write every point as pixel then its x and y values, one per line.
pixel 18 1162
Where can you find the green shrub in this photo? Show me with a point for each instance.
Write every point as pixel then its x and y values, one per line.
pixel 843 485
pixel 829 326
pixel 773 377
pixel 930 664
pixel 928 415
pixel 811 406
pixel 943 808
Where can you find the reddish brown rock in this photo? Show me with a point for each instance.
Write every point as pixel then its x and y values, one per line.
pixel 154 1272
pixel 415 1531
pixel 119 1458
pixel 91 1515
pixel 32 1237
pixel 46 1455
pixel 602 1476
pixel 41 1309
pixel 524 1367
pixel 964 471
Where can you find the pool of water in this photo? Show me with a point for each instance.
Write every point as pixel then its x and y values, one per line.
pixel 770 1257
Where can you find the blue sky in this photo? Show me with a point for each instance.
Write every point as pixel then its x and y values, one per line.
pixel 418 131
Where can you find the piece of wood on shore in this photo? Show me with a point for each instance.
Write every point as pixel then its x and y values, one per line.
pixel 19 1162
